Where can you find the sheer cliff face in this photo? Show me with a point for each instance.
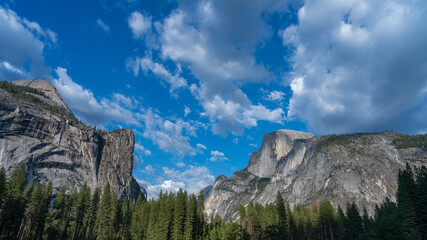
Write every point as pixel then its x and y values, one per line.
pixel 56 147
pixel 274 147
pixel 306 169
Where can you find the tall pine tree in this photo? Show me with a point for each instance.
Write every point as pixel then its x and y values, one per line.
pixel 104 220
pixel 282 225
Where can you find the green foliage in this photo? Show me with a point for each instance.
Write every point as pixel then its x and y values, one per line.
pixel 104 221
pixel 404 141
pixel 25 214
pixel 179 215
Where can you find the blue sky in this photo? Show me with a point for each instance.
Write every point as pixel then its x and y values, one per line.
pixel 200 82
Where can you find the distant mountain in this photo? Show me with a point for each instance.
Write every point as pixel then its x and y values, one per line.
pixel 37 129
pixel 307 169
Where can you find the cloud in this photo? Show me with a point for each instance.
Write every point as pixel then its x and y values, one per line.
pixel 142 149
pixel 146 65
pixel 231 116
pixel 275 96
pixel 216 40
pixel 169 135
pixel 359 66
pixel 193 179
pixel 180 164
pixel 187 111
pixel 139 24
pixel 166 186
pixel 148 170
pixel 217 156
pixel 102 25
pixel 22 46
pixel 83 103
pixel 253 145
pixel 201 146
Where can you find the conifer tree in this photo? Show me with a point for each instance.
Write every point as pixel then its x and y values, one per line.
pixel 387 225
pixel 367 222
pixel 56 216
pixel 116 216
pixel 341 224
pixel 78 212
pixel 191 216
pixel 28 222
pixel 104 218
pixel 44 209
pixel 13 205
pixel 126 219
pixel 137 229
pixel 179 215
pixel 326 217
pixel 282 217
pixel 165 215
pixel 153 220
pixel 90 217
pixel 242 220
pixel 354 222
pixel 293 232
pixel 254 225
pixel 421 205
pixel 200 214
pixel 405 203
pixel 2 185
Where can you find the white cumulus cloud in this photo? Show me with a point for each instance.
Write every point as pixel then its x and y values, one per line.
pixel 359 65
pixel 22 45
pixel 217 156
pixel 139 24
pixel 193 179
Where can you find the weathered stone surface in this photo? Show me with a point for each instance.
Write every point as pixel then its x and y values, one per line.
pixel 306 169
pixel 274 146
pixel 60 149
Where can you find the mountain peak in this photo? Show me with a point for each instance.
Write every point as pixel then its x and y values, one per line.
pixel 275 146
pixel 52 96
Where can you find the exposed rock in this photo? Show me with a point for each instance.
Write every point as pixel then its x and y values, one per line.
pixel 51 95
pixel 58 148
pixel 306 169
pixel 274 146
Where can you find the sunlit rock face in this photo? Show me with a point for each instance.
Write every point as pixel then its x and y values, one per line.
pixel 274 147
pixel 54 146
pixel 306 169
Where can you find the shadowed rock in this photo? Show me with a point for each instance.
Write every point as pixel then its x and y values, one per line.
pixel 56 147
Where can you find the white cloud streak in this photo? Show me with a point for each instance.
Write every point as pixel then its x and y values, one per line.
pixel 102 25
pixel 147 65
pixel 217 156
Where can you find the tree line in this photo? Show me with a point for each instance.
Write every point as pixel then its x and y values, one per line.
pixel 28 212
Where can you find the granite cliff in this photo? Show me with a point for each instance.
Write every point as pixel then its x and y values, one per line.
pixel 307 169
pixel 37 129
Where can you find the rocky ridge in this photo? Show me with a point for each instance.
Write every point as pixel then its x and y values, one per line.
pixel 307 169
pixel 37 129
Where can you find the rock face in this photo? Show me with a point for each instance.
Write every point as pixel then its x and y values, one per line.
pixel 306 169
pixel 56 147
